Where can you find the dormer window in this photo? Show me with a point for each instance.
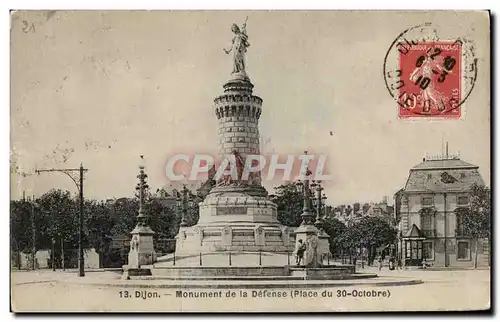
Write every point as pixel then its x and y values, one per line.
pixel 429 176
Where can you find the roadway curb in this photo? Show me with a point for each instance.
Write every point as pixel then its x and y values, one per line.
pixel 294 284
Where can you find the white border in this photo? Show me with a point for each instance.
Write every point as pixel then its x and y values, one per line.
pixel 190 4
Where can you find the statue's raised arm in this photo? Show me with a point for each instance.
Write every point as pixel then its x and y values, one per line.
pixel 244 28
pixel 239 48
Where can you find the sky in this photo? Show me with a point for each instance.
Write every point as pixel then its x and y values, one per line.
pixel 102 88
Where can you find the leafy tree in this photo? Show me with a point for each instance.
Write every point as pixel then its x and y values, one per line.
pixel 125 211
pixel 20 225
pixel 290 202
pixel 368 232
pixel 476 220
pixel 334 228
pixel 162 219
pixel 57 215
pixel 99 222
pixel 20 228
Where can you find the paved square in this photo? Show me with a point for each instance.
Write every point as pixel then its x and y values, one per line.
pixel 64 291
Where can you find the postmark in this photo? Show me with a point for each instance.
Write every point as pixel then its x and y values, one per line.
pixel 430 76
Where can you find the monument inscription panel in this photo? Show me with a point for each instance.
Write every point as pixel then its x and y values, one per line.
pixel 231 211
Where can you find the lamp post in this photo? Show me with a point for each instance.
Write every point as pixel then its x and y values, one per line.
pixel 53 254
pixel 72 174
pixel 33 232
pixel 318 204
pixel 307 216
pixel 141 245
pixel 141 187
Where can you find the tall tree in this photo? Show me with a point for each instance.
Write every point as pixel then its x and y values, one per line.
pixel 57 214
pixel 476 220
pixel 369 233
pixel 125 212
pixel 290 202
pixel 334 228
pixel 20 229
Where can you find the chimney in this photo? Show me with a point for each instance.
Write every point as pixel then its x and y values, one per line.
pixel 446 150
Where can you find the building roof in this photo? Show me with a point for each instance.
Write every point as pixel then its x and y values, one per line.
pixel 413 232
pixel 444 175
pixel 454 163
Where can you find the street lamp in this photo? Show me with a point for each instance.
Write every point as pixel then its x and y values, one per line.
pixel 33 231
pixel 307 216
pixel 319 205
pixel 71 173
pixel 53 254
pixel 141 187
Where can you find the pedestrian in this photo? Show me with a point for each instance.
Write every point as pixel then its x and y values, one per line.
pixel 300 249
pixel 380 260
pixel 400 263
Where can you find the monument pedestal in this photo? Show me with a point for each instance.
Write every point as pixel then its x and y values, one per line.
pixel 235 221
pixel 141 247
pixel 309 235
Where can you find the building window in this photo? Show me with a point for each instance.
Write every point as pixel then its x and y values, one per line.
pixel 463 250
pixel 429 176
pixel 460 224
pixel 462 175
pixel 428 247
pixel 427 201
pixel 462 200
pixel 427 224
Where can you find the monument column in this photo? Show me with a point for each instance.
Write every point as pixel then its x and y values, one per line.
pixel 237 214
pixel 238 113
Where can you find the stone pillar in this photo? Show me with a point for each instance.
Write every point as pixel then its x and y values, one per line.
pixel 141 248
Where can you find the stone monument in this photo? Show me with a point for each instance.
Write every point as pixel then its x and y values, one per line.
pixel 237 214
pixel 238 236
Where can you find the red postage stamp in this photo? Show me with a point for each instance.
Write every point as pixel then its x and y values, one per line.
pixel 431 72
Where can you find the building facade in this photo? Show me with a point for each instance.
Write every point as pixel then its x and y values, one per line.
pixel 429 212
